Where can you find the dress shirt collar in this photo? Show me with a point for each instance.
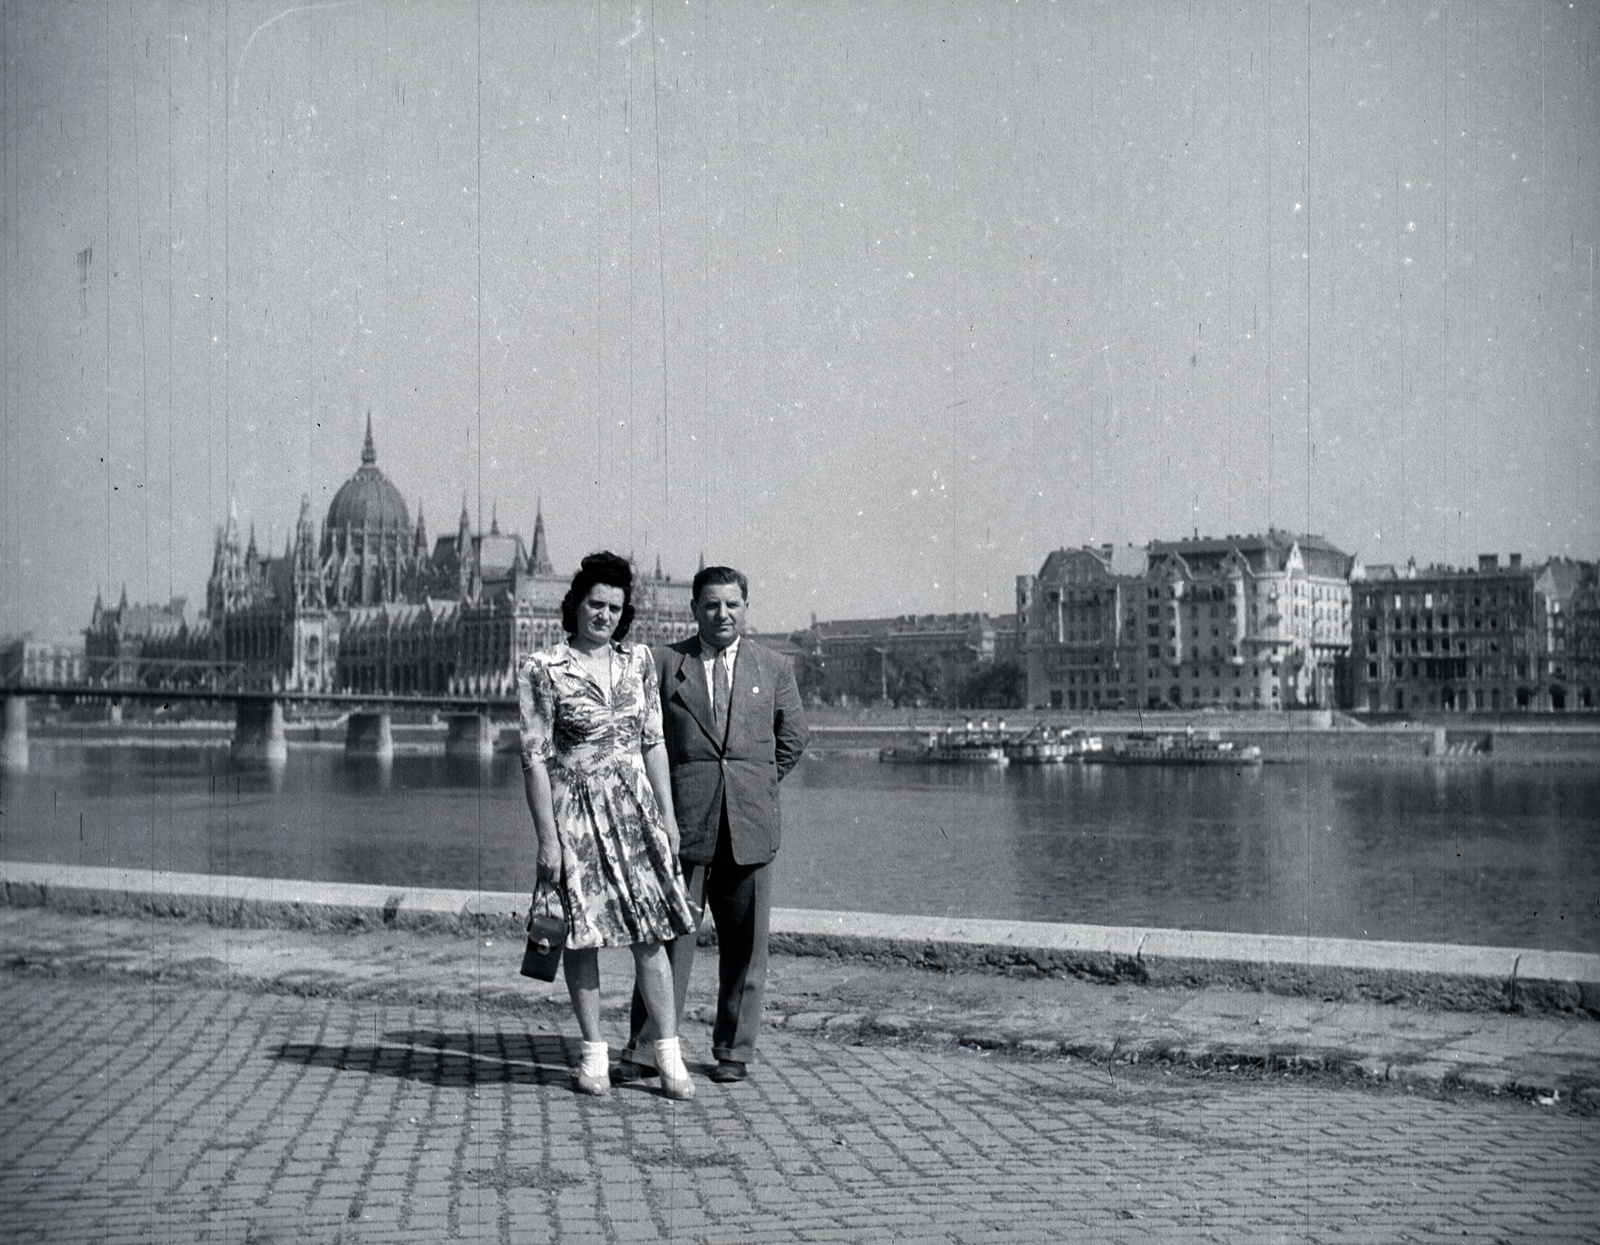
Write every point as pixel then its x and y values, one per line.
pixel 708 659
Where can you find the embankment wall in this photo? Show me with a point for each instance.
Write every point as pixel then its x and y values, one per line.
pixel 1427 974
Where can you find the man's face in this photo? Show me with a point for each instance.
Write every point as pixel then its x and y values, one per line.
pixel 719 611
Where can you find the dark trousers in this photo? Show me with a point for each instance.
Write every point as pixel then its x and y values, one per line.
pixel 740 899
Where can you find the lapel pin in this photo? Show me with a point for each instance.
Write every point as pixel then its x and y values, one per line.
pixel 755 691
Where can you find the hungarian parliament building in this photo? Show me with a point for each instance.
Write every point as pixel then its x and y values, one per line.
pixel 366 606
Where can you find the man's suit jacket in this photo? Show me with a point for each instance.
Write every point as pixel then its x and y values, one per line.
pixel 766 734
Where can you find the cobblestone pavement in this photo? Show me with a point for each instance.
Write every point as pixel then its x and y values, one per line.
pixel 152 1112
pixel 1526 1054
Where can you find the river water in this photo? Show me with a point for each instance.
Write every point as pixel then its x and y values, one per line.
pixel 1503 855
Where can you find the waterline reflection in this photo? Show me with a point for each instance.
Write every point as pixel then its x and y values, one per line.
pixel 1506 855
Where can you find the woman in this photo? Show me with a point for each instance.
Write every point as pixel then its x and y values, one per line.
pixel 596 774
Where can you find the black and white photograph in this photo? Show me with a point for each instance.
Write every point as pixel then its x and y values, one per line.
pixel 845 621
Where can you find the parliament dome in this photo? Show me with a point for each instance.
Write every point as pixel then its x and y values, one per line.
pixel 367 499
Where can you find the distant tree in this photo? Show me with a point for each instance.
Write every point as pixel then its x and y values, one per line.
pixel 998 685
pixel 914 679
pixel 810 674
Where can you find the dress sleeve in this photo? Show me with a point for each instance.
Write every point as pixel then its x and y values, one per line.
pixel 650 732
pixel 536 708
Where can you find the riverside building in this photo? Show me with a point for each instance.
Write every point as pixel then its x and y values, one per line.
pixel 367 607
pixel 1240 622
pixel 908 659
pixel 1078 620
pixel 27 659
pixel 1490 638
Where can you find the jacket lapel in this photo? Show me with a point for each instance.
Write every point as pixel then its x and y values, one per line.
pixel 694 693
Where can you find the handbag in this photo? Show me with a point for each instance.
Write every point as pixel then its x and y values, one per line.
pixel 547 933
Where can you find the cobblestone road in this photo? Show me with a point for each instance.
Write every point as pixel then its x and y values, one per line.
pixel 141 1112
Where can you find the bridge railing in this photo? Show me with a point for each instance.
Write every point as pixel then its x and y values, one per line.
pixel 136 674
pixel 176 674
pixel 178 679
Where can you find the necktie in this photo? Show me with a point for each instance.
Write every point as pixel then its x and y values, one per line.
pixel 722 691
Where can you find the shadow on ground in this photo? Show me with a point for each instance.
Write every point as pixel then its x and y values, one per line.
pixel 448 1060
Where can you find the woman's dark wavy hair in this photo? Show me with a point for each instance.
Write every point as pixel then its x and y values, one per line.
pixel 599 568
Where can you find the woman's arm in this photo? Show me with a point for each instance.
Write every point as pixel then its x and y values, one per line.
pixel 536 705
pixel 660 776
pixel 536 784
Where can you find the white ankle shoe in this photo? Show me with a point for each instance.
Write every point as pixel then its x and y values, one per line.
pixel 594 1073
pixel 675 1082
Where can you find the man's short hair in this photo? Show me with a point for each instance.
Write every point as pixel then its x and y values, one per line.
pixel 715 577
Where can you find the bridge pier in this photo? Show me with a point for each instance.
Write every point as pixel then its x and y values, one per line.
pixel 258 732
pixel 369 735
pixel 469 735
pixel 14 735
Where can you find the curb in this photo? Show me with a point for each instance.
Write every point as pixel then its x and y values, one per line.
pixel 1433 975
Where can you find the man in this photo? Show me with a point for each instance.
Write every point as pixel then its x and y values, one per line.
pixel 731 713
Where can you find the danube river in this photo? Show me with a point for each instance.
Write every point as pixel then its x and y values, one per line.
pixel 1471 853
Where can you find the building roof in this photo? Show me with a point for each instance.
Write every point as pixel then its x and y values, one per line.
pixel 782 643
pixel 1264 553
pixel 911 624
pixel 1387 574
pixel 1119 560
pixel 498 555
pixel 367 499
pixel 153 621
pixel 1561 577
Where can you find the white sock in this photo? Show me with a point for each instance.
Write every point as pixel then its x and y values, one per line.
pixel 669 1059
pixel 596 1059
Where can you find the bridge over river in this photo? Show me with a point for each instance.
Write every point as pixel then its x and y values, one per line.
pixel 259 711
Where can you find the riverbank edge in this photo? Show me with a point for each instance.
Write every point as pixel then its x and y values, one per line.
pixel 1461 743
pixel 1432 975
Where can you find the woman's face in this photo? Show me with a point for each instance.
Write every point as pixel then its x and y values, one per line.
pixel 598 614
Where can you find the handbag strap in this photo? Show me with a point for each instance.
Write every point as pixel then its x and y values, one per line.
pixel 548 895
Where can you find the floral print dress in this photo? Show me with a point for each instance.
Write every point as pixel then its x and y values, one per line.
pixel 620 879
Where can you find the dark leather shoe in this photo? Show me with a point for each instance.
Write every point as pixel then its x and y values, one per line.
pixel 728 1071
pixel 627 1072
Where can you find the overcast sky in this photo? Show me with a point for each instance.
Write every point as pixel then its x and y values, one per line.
pixel 880 302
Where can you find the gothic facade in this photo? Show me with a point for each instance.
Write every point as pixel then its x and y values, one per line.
pixel 366 607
